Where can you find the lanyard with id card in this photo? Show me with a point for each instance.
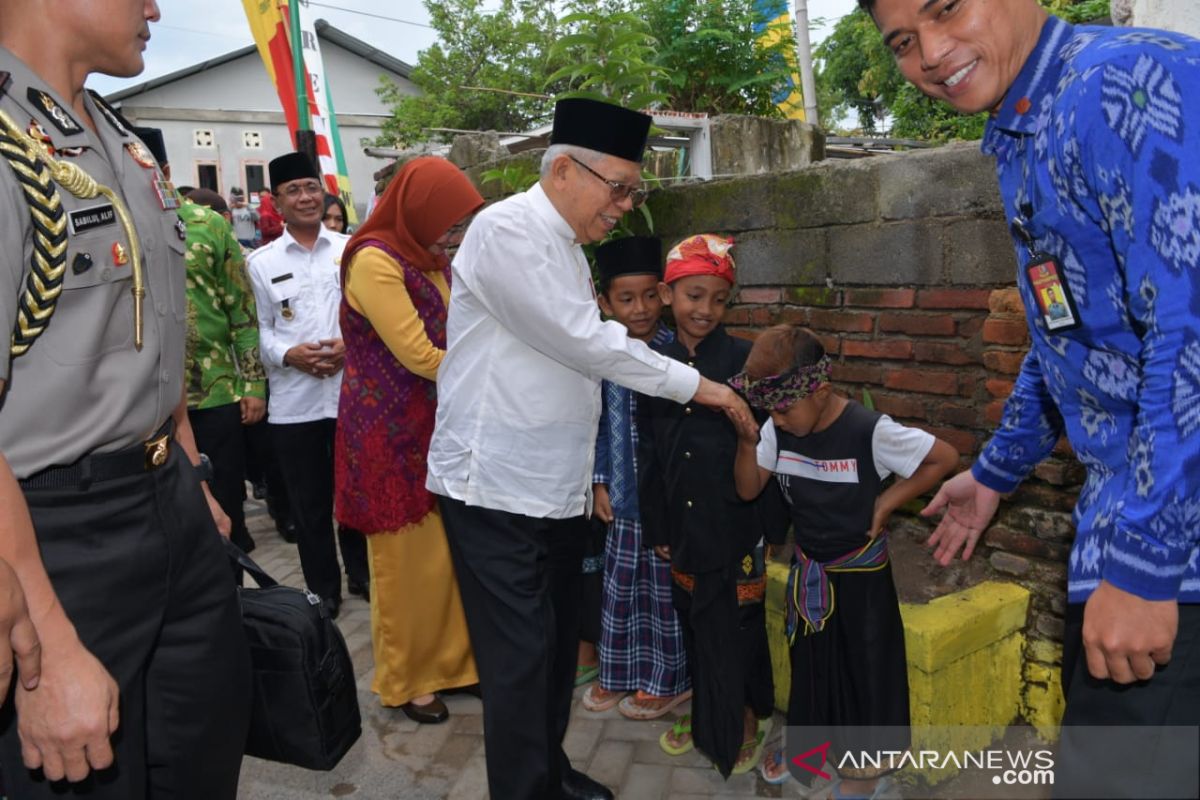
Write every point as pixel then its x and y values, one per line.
pixel 1047 282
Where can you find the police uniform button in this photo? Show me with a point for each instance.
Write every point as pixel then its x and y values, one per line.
pixel 161 308
pixel 82 263
pixel 150 242
pixel 106 274
pixel 165 376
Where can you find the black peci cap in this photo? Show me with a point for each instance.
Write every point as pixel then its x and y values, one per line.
pixel 633 255
pixel 603 127
pixel 291 167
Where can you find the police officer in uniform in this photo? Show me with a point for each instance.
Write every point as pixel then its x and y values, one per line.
pixel 144 685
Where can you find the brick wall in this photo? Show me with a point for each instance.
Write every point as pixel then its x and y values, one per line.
pixel 903 266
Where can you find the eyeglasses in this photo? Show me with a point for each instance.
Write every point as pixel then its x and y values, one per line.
pixel 297 189
pixel 619 190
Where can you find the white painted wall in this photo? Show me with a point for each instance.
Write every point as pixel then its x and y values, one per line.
pixel 237 96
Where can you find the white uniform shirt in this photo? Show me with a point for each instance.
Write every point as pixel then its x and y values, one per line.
pixel 519 388
pixel 298 293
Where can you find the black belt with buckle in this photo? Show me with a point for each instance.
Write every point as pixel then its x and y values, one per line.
pixel 145 457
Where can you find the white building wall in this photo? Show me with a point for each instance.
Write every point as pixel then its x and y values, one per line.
pixel 236 97
pixel 1182 16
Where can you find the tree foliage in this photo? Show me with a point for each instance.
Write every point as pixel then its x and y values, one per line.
pixel 685 55
pixel 858 73
pixel 508 48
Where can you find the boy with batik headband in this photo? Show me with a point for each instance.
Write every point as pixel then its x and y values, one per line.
pixel 692 515
pixel 643 668
pixel 832 457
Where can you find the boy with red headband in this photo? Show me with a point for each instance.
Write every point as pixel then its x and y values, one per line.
pixel 832 457
pixel 692 516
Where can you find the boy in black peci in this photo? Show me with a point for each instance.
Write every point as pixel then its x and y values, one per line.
pixel 831 456
pixel 692 515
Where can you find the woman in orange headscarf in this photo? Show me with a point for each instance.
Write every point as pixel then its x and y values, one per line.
pixel 396 279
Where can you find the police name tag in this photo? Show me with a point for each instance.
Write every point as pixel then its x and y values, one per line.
pixel 85 219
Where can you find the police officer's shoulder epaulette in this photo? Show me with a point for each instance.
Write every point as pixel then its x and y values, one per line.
pixel 110 114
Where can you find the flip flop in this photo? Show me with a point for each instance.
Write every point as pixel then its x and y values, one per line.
pixel 586 673
pixel 774 758
pixel 682 725
pixel 632 707
pixel 590 702
pixel 760 737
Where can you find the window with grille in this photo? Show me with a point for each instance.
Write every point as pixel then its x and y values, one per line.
pixel 203 139
pixel 252 140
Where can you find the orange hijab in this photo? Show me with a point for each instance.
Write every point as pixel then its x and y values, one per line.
pixel 425 198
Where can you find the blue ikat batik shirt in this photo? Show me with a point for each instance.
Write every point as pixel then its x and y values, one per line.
pixel 1099 138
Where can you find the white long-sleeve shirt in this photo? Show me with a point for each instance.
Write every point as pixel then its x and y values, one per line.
pixel 519 388
pixel 298 292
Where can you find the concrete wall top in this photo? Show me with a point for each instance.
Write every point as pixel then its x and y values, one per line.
pixel 920 218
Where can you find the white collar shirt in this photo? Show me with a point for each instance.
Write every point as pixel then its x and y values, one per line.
pixel 519 387
pixel 298 293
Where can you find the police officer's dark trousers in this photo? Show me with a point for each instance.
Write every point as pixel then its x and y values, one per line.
pixel 142 573
pixel 520 585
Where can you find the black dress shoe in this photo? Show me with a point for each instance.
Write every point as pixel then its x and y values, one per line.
pixel 360 588
pixel 577 786
pixel 431 713
pixel 333 605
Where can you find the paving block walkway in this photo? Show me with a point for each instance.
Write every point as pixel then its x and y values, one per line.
pixel 397 758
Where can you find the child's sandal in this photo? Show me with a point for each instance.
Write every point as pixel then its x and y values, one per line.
pixel 681 728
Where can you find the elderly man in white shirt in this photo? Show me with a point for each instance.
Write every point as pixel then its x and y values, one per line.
pixel 518 409
pixel 297 288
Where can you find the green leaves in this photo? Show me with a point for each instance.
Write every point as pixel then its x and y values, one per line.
pixel 609 56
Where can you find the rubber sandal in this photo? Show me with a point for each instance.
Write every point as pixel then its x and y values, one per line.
pixel 682 725
pixel 741 767
pixel 590 702
pixel 632 706
pixel 586 673
pixel 774 758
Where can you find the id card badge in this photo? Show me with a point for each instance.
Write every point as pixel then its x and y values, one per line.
pixel 1052 293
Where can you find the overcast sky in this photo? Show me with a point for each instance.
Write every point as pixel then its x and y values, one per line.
pixel 191 32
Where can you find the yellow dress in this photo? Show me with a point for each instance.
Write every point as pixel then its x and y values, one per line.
pixel 418 631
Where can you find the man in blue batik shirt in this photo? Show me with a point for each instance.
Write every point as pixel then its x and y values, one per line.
pixel 1096 136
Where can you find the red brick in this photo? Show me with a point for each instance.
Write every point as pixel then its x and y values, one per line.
pixel 1012 541
pixel 998 387
pixel 759 294
pixel 1005 361
pixel 832 344
pixel 1060 473
pixel 1006 301
pixel 760 316
pixel 1001 330
pixel 900 406
pixel 953 298
pixel 917 324
pixel 873 348
pixel 922 380
pixel 994 411
pixel 744 333
pixel 1046 497
pixel 880 298
pixel 856 372
pixel 957 414
pixel 845 321
pixel 970 327
pixel 737 316
pixel 935 353
pixel 964 442
pixel 792 315
pixel 968 382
